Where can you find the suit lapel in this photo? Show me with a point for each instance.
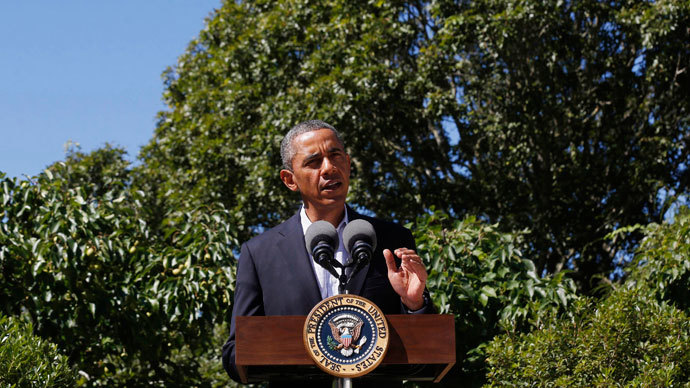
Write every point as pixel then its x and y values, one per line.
pixel 296 261
pixel 356 283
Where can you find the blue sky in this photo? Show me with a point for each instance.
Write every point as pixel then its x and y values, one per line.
pixel 87 72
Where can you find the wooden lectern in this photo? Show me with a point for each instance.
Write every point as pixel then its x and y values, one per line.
pixel 421 348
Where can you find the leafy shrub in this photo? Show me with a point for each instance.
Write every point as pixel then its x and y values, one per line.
pixel 628 340
pixel 120 296
pixel 479 275
pixel 638 336
pixel 662 261
pixel 30 361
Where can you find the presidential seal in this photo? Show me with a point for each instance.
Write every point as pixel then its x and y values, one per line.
pixel 346 335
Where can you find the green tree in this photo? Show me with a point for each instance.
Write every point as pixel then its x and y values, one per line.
pixel 129 304
pixel 638 336
pixel 577 118
pixel 661 263
pixel 30 361
pixel 479 274
pixel 566 118
pixel 260 67
pixel 629 339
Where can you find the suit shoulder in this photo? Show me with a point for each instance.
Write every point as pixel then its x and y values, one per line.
pixel 385 225
pixel 391 234
pixel 278 231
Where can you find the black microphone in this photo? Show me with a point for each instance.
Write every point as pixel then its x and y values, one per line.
pixel 322 241
pixel 359 238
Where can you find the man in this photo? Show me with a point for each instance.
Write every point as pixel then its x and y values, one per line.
pixel 277 276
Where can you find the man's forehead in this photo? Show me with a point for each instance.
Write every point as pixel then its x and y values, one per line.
pixel 315 141
pixel 316 150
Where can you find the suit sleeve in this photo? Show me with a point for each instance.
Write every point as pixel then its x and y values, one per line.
pixel 248 302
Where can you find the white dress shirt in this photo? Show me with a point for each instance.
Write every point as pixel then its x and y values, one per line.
pixel 328 284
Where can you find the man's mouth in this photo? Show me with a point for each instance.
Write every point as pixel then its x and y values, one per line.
pixel 333 185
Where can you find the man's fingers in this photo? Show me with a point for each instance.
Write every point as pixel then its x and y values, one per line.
pixel 409 261
pixel 390 260
pixel 412 263
pixel 404 251
pixel 410 257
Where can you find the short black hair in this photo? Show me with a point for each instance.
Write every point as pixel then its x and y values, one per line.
pixel 287 151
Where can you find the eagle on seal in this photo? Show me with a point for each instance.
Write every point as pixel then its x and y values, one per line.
pixel 347 336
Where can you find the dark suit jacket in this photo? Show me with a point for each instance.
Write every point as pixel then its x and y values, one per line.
pixel 275 276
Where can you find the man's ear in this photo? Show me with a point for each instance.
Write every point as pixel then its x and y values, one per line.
pixel 287 177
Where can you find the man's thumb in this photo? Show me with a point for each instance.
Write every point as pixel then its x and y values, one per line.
pixel 390 260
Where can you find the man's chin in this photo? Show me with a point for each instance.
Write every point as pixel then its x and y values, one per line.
pixel 333 200
pixel 336 193
pixel 330 201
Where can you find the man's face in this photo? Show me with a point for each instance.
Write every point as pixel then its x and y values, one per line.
pixel 320 170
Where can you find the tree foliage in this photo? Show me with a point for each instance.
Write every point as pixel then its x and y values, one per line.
pixel 479 275
pixel 629 340
pixel 120 299
pixel 30 361
pixel 569 119
pixel 257 69
pixel 638 336
pixel 662 263
pixel 578 117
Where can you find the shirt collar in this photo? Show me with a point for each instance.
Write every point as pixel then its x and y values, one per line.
pixel 306 222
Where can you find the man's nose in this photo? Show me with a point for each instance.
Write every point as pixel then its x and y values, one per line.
pixel 327 166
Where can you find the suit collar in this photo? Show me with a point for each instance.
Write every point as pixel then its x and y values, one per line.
pixel 296 258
